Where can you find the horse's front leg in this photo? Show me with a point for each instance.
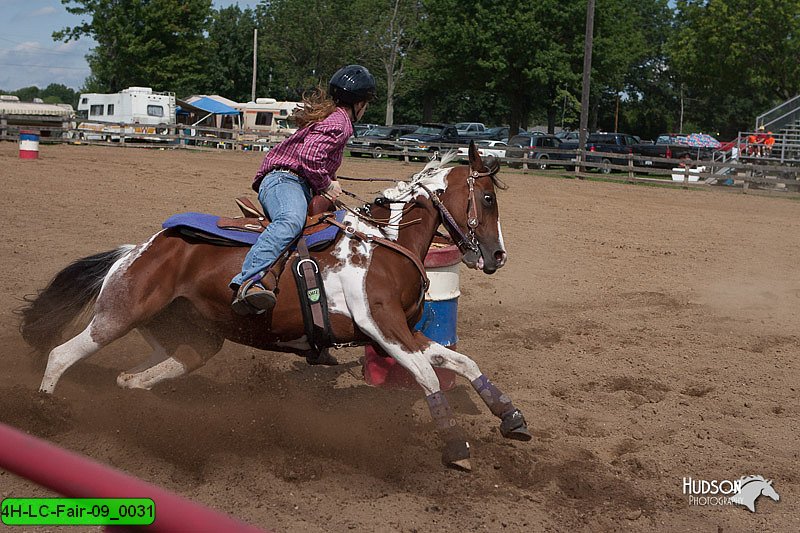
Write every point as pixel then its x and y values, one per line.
pixel 390 331
pixel 512 423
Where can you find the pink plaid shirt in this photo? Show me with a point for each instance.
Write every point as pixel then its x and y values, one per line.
pixel 313 153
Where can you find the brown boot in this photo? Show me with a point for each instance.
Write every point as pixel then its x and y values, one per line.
pixel 253 299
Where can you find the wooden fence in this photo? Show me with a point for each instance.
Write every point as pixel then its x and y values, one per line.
pixel 741 173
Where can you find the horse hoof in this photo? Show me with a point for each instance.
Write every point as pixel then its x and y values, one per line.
pixel 463 465
pixel 456 455
pixel 513 426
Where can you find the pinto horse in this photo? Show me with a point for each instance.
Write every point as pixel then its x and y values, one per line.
pixel 174 290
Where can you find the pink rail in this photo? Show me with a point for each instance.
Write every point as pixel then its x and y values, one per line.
pixel 75 476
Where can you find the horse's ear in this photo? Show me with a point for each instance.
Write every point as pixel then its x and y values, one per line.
pixel 492 164
pixel 770 482
pixel 475 162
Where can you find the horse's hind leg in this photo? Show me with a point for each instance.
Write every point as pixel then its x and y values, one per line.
pixel 512 425
pixel 65 355
pixel 179 347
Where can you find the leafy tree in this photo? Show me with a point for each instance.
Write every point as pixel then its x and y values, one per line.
pixel 736 59
pixel 389 37
pixel 230 67
pixel 157 43
pixel 304 42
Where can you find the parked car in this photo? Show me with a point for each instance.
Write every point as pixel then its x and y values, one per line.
pixel 470 129
pixel 499 133
pixel 568 136
pixel 485 148
pixel 378 140
pixel 431 138
pixel 671 146
pixel 542 149
pixel 362 129
pixel 609 144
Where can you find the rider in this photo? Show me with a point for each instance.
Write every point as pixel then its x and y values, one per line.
pixel 293 171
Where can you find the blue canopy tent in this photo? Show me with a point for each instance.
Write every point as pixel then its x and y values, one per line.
pixel 205 107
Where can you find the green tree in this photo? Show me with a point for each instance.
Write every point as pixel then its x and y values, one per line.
pixel 304 42
pixel 230 63
pixel 735 59
pixel 157 43
pixel 56 93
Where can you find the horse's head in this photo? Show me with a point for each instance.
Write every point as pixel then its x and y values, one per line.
pixel 471 199
pixel 769 491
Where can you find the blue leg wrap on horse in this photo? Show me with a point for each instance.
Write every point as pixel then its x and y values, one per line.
pixel 498 403
pixel 441 412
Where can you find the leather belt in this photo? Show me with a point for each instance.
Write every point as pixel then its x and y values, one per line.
pixel 288 171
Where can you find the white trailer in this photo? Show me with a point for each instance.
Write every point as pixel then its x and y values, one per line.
pixel 132 111
pixel 266 119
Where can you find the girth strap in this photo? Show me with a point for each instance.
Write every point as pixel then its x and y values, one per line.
pixel 313 302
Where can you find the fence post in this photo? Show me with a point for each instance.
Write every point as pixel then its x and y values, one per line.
pixel 686 177
pixel 405 154
pixel 578 165
pixel 525 163
pixel 630 167
pixel 3 127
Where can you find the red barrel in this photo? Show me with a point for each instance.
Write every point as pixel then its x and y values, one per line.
pixel 438 322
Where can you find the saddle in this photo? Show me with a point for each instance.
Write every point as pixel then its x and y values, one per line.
pixel 308 278
pixel 244 231
pixel 254 220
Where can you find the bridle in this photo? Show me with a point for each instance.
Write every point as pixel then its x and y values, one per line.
pixel 465 242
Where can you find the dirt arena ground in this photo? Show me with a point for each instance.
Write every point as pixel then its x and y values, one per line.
pixel 648 334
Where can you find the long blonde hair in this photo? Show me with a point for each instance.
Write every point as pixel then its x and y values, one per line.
pixel 316 107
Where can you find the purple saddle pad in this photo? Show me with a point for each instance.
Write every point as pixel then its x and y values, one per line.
pixel 203 226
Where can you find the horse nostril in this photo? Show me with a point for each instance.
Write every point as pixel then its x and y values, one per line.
pixel 500 257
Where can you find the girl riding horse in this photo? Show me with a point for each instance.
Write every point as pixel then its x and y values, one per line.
pixel 173 290
pixel 302 165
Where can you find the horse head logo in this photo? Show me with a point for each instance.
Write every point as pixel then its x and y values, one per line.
pixel 751 488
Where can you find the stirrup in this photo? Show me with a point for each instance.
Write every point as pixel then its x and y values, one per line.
pixel 253 303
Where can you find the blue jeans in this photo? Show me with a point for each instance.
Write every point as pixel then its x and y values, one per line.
pixel 285 199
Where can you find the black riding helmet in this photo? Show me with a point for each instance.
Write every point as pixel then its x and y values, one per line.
pixel 352 84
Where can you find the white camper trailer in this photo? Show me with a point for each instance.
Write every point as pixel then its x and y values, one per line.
pixel 266 119
pixel 132 111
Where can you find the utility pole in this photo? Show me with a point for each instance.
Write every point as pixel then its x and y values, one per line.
pixel 587 71
pixel 255 64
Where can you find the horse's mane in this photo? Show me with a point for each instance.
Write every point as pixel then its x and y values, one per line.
pixel 745 480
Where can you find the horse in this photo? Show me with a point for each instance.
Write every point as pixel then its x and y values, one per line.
pixel 752 487
pixel 174 290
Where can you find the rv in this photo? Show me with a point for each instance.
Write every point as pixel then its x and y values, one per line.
pixel 132 111
pixel 266 119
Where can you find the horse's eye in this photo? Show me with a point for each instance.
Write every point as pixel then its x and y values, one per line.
pixel 488 199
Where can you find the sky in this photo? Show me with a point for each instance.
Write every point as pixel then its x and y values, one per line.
pixel 30 56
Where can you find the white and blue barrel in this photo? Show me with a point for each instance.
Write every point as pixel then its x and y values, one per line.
pixel 438 322
pixel 440 314
pixel 28 145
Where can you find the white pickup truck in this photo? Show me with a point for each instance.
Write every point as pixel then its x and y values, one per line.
pixel 469 129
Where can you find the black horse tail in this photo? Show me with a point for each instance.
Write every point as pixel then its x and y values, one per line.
pixel 47 314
